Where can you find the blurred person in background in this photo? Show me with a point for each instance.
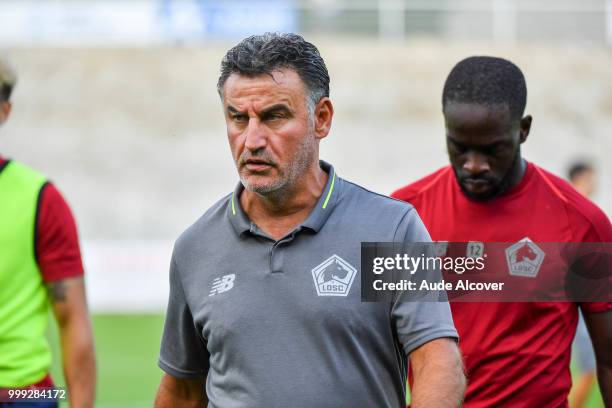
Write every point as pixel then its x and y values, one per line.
pixel 263 311
pixel 40 268
pixel 516 354
pixel 581 176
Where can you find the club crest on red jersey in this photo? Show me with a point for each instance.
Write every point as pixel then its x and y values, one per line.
pixel 524 258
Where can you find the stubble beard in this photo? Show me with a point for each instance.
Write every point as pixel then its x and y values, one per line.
pixel 500 188
pixel 289 176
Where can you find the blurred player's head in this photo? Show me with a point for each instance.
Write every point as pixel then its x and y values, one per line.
pixel 275 94
pixel 8 79
pixel 582 177
pixel 483 103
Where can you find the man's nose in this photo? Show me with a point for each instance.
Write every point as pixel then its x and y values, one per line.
pixel 476 163
pixel 255 137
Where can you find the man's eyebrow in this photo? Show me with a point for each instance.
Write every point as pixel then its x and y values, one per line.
pixel 452 139
pixel 491 145
pixel 275 108
pixel 267 111
pixel 231 109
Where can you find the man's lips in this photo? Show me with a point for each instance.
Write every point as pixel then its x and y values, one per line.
pixel 257 165
pixel 476 185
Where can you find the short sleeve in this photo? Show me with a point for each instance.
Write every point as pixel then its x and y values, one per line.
pixel 597 228
pixel 418 322
pixel 57 244
pixel 183 350
pixel 596 307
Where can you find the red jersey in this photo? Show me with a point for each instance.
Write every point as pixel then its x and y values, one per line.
pixel 516 354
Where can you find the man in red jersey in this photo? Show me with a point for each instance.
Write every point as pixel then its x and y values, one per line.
pixel 40 264
pixel 516 354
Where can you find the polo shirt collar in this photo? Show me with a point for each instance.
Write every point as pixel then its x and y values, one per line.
pixel 321 212
pixel 237 217
pixel 315 220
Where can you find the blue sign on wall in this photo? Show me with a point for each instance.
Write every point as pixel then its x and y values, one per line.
pixel 226 19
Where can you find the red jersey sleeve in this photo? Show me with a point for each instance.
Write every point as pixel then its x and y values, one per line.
pixel 409 192
pixel 598 230
pixel 596 227
pixel 57 244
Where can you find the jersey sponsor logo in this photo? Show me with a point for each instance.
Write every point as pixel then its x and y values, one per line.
pixel 524 258
pixel 222 284
pixel 333 277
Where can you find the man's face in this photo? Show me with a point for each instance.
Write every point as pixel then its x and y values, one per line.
pixel 585 183
pixel 5 111
pixel 271 133
pixel 483 147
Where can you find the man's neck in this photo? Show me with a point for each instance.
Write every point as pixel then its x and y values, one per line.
pixel 279 213
pixel 518 174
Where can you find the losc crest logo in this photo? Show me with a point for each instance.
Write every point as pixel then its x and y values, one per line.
pixel 333 277
pixel 524 258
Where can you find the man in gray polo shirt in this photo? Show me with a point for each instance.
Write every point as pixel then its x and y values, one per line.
pixel 265 307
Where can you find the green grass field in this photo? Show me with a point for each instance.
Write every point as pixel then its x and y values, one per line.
pixel 127 347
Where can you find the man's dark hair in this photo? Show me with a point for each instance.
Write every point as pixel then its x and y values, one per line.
pixel 487 81
pixel 263 54
pixel 5 93
pixel 577 169
pixel 8 79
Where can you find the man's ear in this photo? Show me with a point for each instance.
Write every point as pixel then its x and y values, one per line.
pixel 323 114
pixel 525 128
pixel 5 111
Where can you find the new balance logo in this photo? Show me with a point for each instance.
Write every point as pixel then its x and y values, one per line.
pixel 222 284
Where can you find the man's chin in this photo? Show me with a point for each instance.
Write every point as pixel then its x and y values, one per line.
pixel 483 195
pixel 258 186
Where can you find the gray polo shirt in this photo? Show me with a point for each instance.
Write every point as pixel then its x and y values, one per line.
pixel 281 323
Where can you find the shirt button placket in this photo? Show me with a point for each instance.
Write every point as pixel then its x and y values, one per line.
pixel 277 253
pixel 276 258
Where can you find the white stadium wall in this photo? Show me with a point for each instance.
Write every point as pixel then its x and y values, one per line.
pixel 135 138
